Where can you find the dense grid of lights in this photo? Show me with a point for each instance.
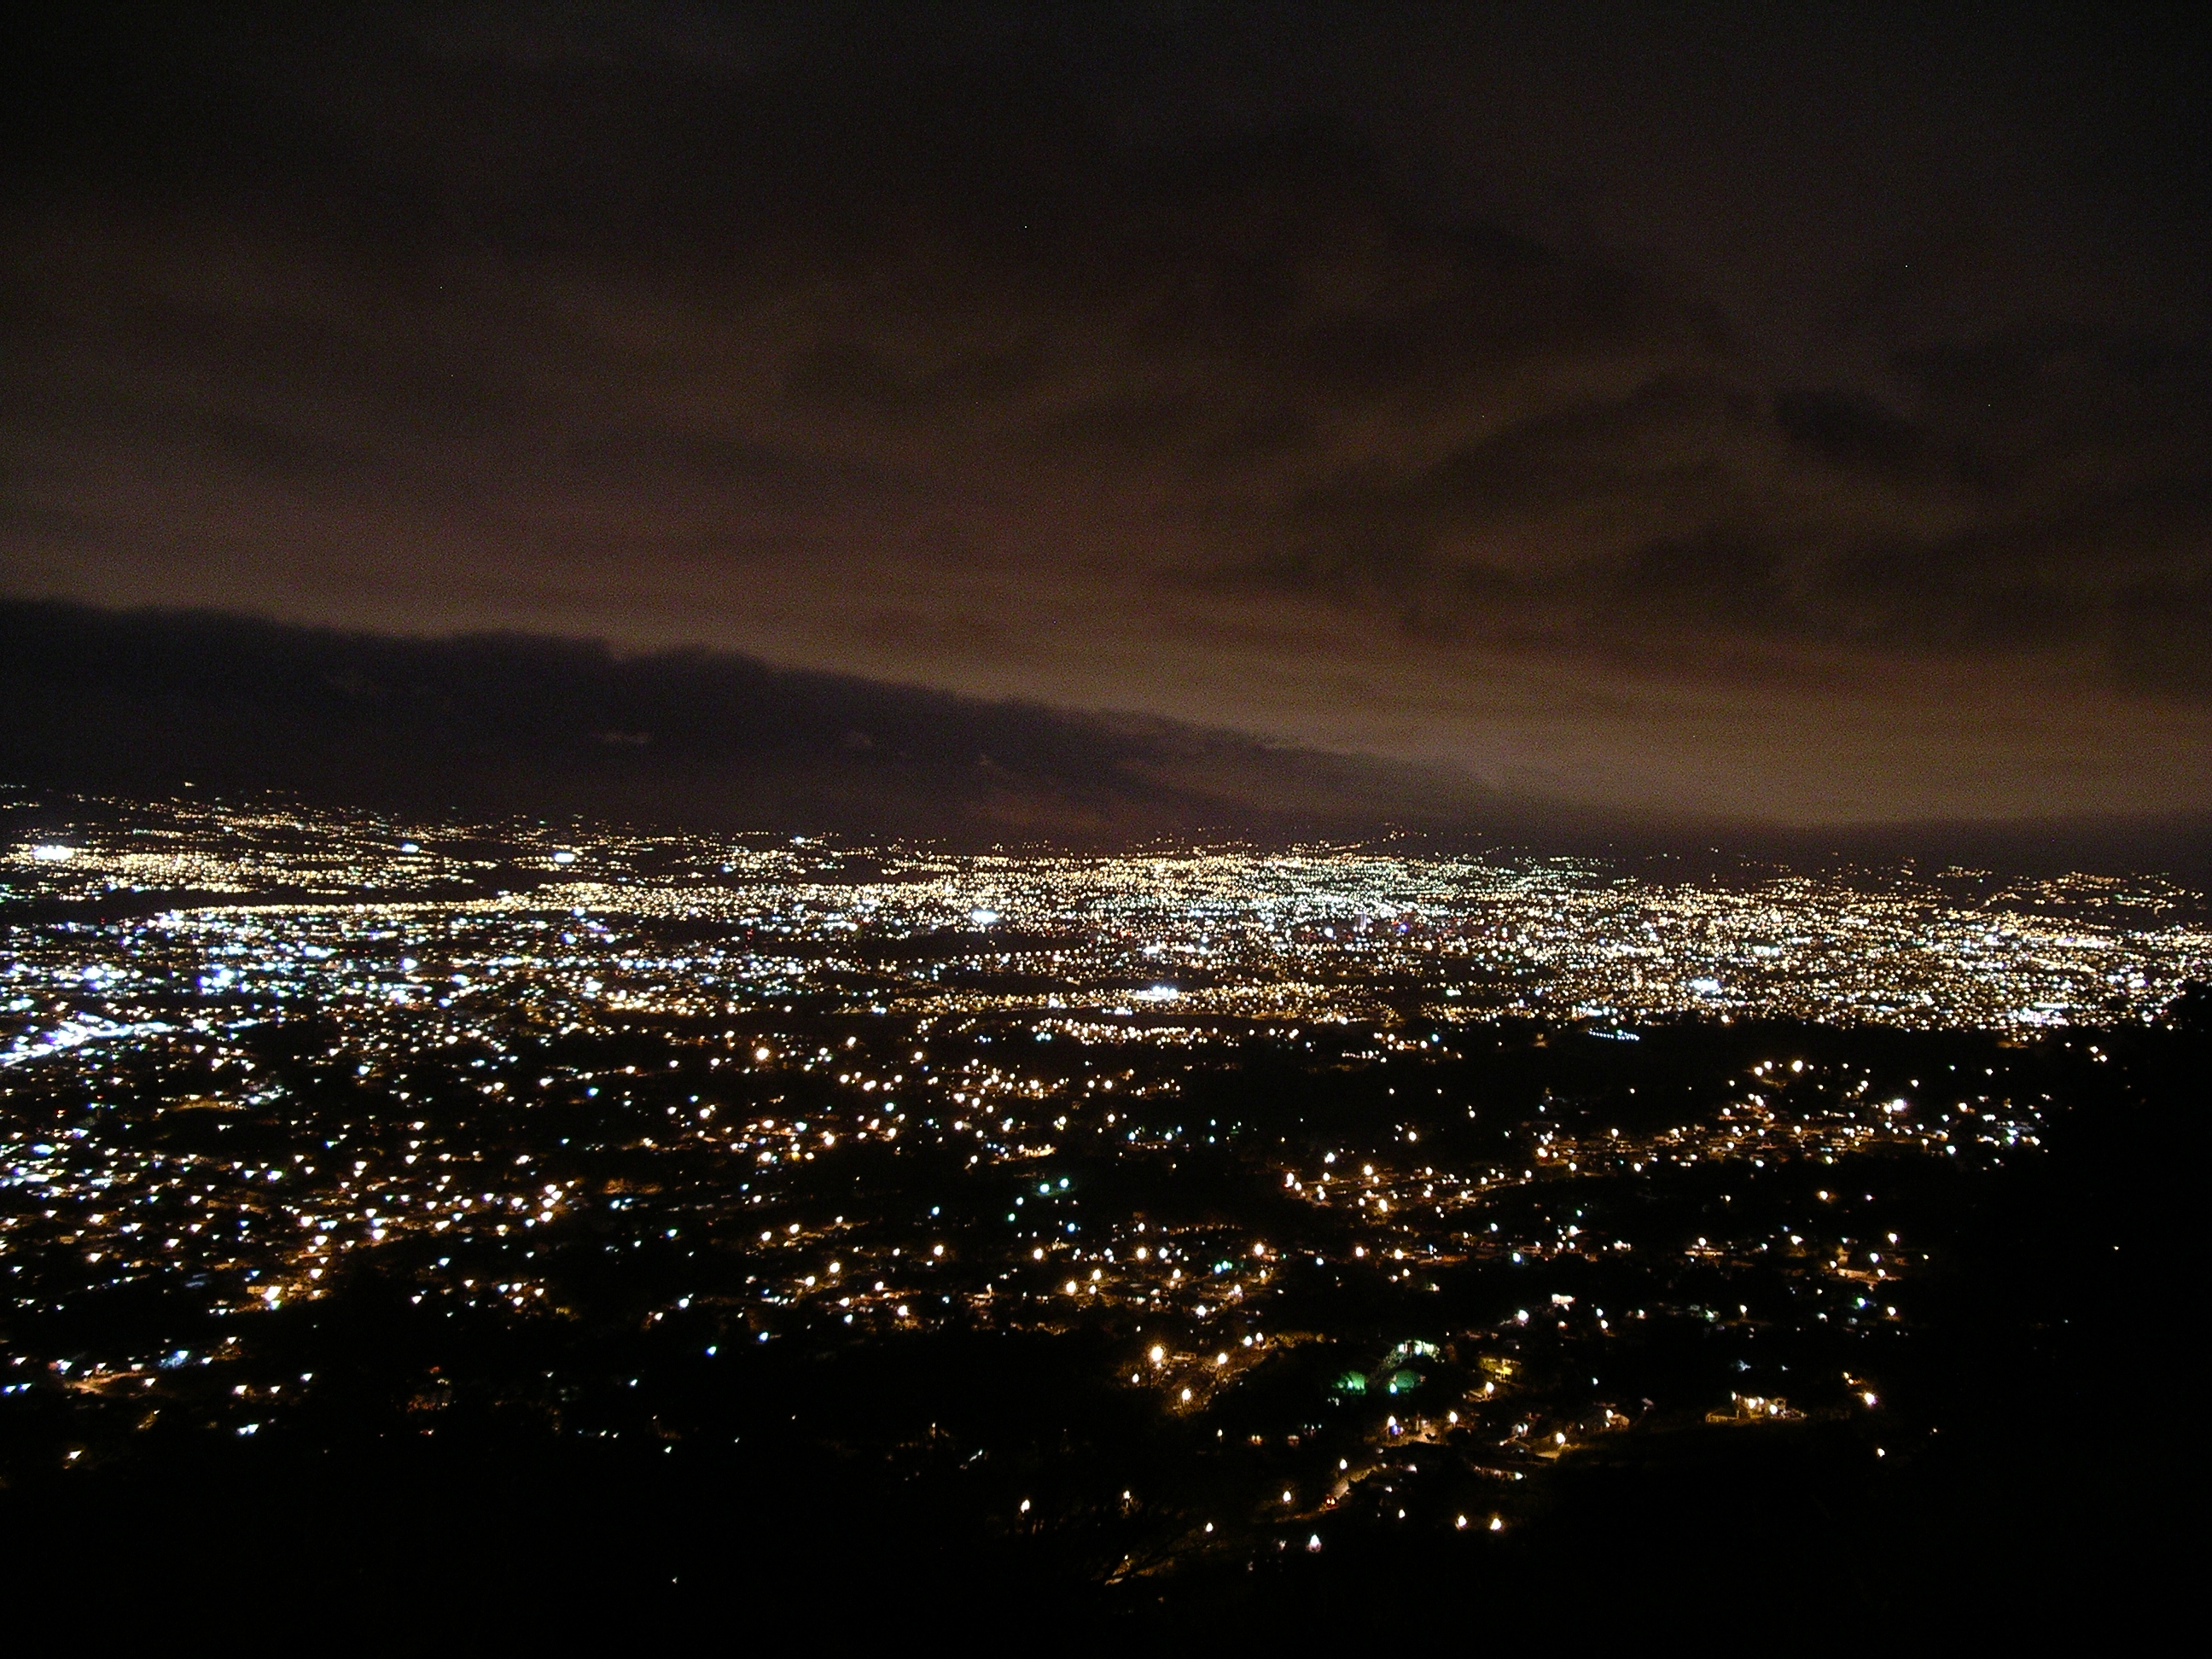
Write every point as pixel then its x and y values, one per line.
pixel 721 1029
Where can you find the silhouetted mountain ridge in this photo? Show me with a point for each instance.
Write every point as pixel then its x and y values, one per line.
pixel 139 703
pixel 142 702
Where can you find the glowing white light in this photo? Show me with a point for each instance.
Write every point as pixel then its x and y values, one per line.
pixel 53 855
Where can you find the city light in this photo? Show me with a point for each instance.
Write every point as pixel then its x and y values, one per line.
pixel 778 1110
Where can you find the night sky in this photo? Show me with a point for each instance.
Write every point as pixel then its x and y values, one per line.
pixel 1777 414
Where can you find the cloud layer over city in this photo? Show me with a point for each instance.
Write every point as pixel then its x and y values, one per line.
pixel 1714 421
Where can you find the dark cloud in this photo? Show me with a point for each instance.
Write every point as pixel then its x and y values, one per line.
pixel 1796 418
pixel 1850 429
pixel 486 726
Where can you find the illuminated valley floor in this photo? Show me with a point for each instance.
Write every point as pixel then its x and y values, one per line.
pixel 1204 1232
